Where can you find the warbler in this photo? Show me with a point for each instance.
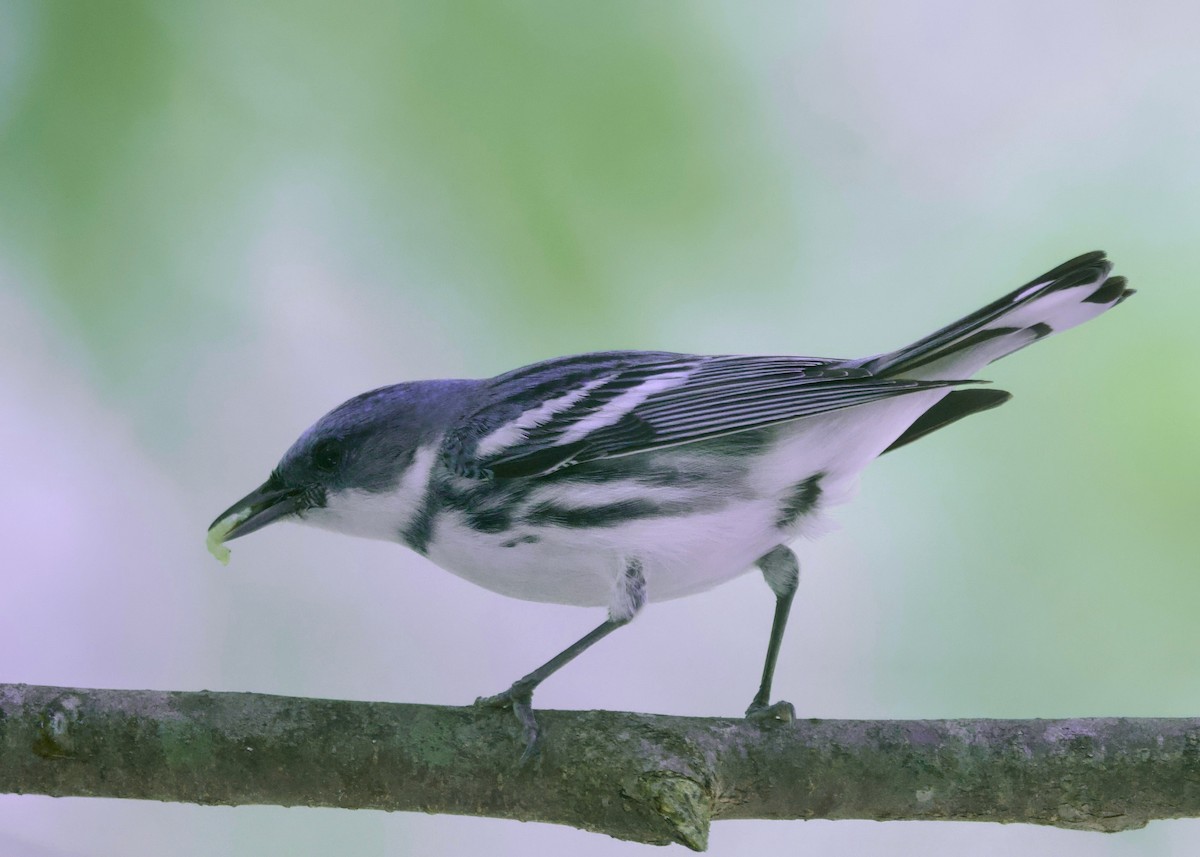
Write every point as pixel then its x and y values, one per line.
pixel 616 478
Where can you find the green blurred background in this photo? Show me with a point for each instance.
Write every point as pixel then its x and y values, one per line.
pixel 218 219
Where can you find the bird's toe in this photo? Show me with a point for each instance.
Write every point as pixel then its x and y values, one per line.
pixel 779 712
pixel 520 700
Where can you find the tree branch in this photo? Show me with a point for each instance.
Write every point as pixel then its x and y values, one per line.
pixel 644 777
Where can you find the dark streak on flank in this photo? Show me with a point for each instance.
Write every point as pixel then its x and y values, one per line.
pixel 1040 330
pixel 496 505
pixel 634 468
pixel 800 501
pixel 492 520
pixel 607 515
pixel 487 505
pixel 521 540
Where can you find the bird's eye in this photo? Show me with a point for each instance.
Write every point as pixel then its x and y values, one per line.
pixel 327 455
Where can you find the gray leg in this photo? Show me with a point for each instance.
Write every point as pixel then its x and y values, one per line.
pixel 782 572
pixel 628 598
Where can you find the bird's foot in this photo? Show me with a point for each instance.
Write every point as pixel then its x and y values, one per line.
pixel 519 698
pixel 780 712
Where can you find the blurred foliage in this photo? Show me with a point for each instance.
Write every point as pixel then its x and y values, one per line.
pixel 519 152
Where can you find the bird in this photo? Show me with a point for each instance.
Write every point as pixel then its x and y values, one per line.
pixel 613 479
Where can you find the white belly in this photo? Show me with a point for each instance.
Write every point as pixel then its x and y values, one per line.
pixel 680 555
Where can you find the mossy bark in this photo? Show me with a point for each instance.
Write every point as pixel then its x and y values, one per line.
pixel 643 777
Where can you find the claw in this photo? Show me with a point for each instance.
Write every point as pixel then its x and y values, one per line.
pixel 520 700
pixel 780 712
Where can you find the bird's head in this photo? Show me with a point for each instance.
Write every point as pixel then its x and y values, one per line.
pixel 360 469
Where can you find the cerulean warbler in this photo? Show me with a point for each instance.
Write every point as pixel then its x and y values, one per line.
pixel 617 478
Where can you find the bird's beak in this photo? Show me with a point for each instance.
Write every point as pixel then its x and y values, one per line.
pixel 266 503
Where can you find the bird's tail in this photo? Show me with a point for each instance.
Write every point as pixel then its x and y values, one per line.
pixel 1070 294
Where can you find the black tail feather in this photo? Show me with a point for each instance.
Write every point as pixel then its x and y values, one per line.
pixel 950 409
pixel 977 327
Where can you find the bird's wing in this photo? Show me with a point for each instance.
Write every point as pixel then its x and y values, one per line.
pixel 552 415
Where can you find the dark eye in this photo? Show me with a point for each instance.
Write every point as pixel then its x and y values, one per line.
pixel 327 455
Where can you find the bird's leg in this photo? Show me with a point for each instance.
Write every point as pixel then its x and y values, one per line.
pixel 782 572
pixel 628 598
